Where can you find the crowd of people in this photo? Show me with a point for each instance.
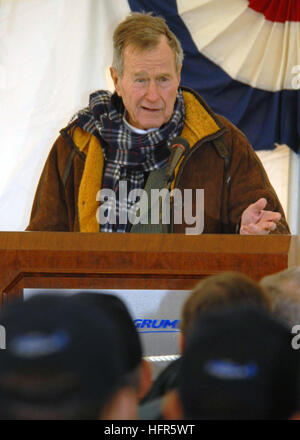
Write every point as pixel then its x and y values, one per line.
pixel 80 356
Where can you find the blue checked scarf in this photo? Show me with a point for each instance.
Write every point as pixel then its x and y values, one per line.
pixel 129 156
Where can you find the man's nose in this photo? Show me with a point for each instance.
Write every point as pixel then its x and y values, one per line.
pixel 152 91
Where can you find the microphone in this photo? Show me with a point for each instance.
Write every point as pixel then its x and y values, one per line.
pixel 179 148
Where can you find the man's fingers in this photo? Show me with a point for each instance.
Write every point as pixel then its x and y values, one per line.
pixel 253 230
pixel 244 230
pixel 255 220
pixel 254 212
pixel 267 226
pixel 260 204
pixel 262 228
pixel 270 216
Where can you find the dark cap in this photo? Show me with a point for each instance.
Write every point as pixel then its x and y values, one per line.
pixel 130 347
pixel 239 364
pixel 56 351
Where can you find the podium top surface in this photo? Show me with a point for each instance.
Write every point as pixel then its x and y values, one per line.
pixel 208 243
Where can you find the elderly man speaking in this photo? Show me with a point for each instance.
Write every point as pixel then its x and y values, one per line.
pixel 122 146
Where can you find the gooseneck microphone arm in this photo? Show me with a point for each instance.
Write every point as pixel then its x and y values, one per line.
pixel 179 148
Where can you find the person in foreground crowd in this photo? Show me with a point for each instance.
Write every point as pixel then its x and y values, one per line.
pixel 215 291
pixel 136 371
pixel 61 362
pixel 238 364
pixel 124 138
pixel 283 289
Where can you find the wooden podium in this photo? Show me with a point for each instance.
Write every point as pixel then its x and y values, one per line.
pixel 133 261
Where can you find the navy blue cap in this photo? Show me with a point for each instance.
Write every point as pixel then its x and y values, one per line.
pixel 57 350
pixel 239 364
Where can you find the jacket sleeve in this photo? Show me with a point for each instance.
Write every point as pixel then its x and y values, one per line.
pixel 249 182
pixel 49 210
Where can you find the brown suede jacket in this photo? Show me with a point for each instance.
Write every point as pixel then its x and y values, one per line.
pixel 221 161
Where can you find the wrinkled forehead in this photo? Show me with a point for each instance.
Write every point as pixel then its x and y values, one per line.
pixel 160 54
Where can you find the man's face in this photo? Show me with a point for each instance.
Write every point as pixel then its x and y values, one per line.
pixel 149 85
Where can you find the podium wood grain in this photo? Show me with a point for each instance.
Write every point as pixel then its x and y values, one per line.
pixel 132 261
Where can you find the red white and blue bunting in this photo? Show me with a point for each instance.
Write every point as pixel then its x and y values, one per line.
pixel 243 57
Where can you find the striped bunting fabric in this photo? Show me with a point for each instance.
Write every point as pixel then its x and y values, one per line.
pixel 243 57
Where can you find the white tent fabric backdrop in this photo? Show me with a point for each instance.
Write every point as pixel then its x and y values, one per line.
pixel 53 54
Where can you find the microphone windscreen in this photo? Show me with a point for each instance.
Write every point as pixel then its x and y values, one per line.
pixel 179 148
pixel 180 141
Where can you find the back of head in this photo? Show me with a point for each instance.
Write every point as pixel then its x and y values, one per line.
pixel 60 361
pixel 143 31
pixel 239 364
pixel 130 348
pixel 283 289
pixel 221 290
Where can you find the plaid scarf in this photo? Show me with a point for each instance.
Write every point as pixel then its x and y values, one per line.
pixel 129 156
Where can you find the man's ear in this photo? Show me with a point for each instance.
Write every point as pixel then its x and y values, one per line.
pixel 171 406
pixel 115 77
pixel 181 342
pixel 122 406
pixel 145 379
pixel 179 73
